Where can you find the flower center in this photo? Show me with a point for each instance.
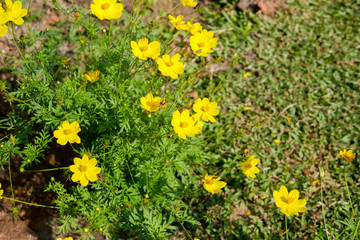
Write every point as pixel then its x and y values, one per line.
pixel 144 48
pixel 68 131
pixel 210 181
pixel 82 168
pixel 201 44
pixel 184 124
pixel 152 104
pixel 290 200
pixel 170 64
pixel 205 108
pixel 105 6
pixel 248 166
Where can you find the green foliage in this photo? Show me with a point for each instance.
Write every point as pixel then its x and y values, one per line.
pixel 302 89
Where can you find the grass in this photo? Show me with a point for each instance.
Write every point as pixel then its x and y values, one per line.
pixel 303 89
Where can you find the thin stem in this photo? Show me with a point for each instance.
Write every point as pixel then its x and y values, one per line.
pixel 111 23
pixel 322 206
pixel 348 193
pixel 184 228
pixel 7 63
pixel 287 233
pixel 357 227
pixel 11 186
pixel 46 170
pixel 13 38
pixel 28 203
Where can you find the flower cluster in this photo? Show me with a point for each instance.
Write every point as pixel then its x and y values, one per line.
pixel 11 11
pixel 186 125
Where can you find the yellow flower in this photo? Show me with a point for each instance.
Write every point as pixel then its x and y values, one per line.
pixel 4 18
pixel 184 125
pixel 144 50
pixel 288 119
pixel 1 192
pixel 212 184
pixel 247 108
pixel 84 170
pixel 202 42
pixel 178 22
pixel 246 75
pixel 314 182
pixel 196 239
pixel 205 110
pixel 170 66
pixel 15 12
pixel 68 238
pixel 93 76
pixel 67 133
pixel 249 166
pixel 151 104
pixel 348 154
pixel 194 28
pixel 189 3
pixel 277 141
pixel 289 203
pixel 107 9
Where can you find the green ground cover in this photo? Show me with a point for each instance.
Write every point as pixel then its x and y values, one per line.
pixel 303 65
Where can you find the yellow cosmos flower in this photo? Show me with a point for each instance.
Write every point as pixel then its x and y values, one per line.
pixel 15 12
pixel 3 30
pixel 202 42
pixel 178 22
pixel 106 9
pixel 212 184
pixel 348 155
pixel 247 108
pixel 151 104
pixel 170 66
pixel 184 125
pixel 194 28
pixel 277 141
pixel 144 50
pixel 67 133
pixel 84 170
pixel 68 238
pixel 189 3
pixel 289 203
pixel 249 166
pixel 93 76
pixel 1 192
pixel 4 18
pixel 205 110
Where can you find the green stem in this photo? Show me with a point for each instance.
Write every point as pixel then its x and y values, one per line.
pixel 322 206
pixel 13 38
pixel 11 186
pixel 111 23
pixel 286 228
pixel 7 63
pixel 357 227
pixel 348 193
pixel 46 170
pixel 184 228
pixel 28 203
